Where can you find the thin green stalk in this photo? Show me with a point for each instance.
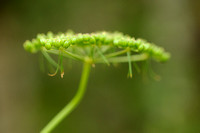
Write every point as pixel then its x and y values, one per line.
pixel 58 66
pixel 67 54
pixel 48 57
pixel 75 56
pixel 73 103
pixel 129 64
pixel 123 59
pixel 116 53
pixel 102 56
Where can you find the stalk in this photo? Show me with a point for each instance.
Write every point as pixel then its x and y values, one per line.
pixel 73 103
pixel 124 59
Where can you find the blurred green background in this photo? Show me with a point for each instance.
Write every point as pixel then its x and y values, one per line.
pixel 113 103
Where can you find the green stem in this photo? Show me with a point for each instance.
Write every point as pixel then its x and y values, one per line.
pixel 102 56
pixel 66 54
pixel 116 53
pixel 73 103
pixel 123 59
pixel 129 64
pixel 48 57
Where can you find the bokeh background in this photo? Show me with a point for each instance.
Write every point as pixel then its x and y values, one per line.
pixel 113 104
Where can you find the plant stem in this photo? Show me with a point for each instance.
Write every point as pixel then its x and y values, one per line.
pixel 123 59
pixel 129 64
pixel 73 103
pixel 102 56
pixel 48 57
pixel 66 54
pixel 116 53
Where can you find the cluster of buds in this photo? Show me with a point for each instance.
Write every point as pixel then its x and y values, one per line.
pixel 116 39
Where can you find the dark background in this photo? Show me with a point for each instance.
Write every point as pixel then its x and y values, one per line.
pixel 113 103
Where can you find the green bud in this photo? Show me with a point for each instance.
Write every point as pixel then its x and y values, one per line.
pixel 123 43
pixel 165 57
pixel 66 44
pixel 40 36
pixel 36 43
pixel 141 47
pixel 92 40
pixel 116 42
pixel 130 43
pixel 48 45
pixel 43 42
pixel 49 34
pixel 57 43
pixel 73 40
pixel 86 37
pixel 28 46
pixel 137 43
pixel 146 46
pixel 108 41
pixel 101 37
pixel 79 38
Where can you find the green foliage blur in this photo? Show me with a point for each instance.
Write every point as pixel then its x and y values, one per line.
pixel 29 98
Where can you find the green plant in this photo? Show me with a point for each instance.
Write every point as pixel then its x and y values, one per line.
pixel 91 49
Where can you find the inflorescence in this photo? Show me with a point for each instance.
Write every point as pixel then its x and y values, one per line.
pixel 97 47
pixel 115 40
